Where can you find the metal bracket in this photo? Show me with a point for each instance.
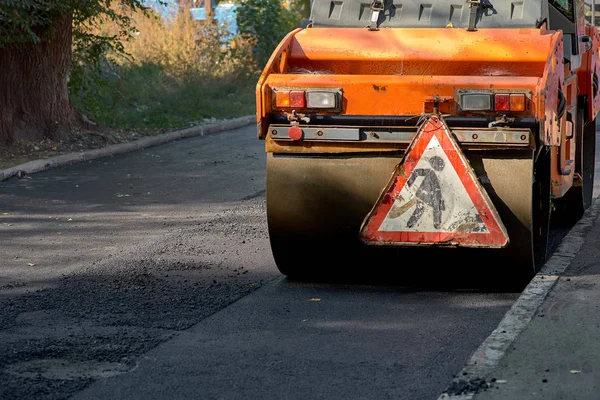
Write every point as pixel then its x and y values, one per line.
pixel 376 7
pixel 296 118
pixel 570 121
pixel 561 170
pixel 587 41
pixel 502 121
pixel 568 162
pixel 474 6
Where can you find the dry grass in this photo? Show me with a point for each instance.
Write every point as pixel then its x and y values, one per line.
pixel 178 73
pixel 185 47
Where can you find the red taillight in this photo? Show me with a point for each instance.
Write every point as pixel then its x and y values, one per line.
pixel 290 98
pixel 297 99
pixel 319 99
pixel 483 101
pixel 502 102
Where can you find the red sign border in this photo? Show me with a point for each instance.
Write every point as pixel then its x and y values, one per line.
pixel 434 126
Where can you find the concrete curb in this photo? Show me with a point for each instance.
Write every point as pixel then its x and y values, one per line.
pixel 52 162
pixel 488 355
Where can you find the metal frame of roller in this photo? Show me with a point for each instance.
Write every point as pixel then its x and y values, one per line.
pixel 316 205
pixel 339 108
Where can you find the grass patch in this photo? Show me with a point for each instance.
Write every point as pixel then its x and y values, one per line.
pixel 145 97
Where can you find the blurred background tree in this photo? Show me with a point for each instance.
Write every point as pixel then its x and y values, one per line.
pixel 37 38
pixel 265 22
pixel 72 65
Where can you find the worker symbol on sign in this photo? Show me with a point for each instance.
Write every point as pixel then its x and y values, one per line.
pixel 429 192
pixel 432 198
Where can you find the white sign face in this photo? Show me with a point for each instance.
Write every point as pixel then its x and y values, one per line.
pixel 433 199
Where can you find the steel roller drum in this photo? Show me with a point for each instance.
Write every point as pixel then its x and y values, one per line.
pixel 317 203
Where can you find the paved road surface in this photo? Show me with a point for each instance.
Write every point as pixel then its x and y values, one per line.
pixel 149 275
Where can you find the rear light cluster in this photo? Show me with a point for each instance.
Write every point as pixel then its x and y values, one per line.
pixel 493 101
pixel 321 99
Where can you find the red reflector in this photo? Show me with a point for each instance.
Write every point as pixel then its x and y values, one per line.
pixel 502 102
pixel 297 99
pixel 295 133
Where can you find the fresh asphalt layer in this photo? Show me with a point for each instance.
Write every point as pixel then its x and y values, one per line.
pixel 105 260
pixel 305 341
pixel 167 290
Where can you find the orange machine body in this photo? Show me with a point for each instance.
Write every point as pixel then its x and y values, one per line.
pixel 403 71
pixel 344 113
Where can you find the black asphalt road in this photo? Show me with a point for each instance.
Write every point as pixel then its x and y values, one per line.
pixel 149 276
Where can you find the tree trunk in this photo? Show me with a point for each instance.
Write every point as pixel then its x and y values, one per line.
pixel 34 99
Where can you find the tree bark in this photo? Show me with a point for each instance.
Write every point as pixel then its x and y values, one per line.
pixel 34 97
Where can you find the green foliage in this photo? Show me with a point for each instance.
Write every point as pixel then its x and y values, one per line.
pixel 31 20
pixel 264 23
pixel 175 72
pixel 23 21
pixel 146 96
pixel 301 8
pixel 28 20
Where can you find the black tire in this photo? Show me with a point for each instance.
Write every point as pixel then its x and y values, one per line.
pixel 523 268
pixel 541 209
pixel 292 264
pixel 314 261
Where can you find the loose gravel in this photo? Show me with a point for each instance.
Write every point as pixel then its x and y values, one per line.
pixel 97 321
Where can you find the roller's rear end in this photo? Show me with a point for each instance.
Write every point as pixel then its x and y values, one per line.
pixel 342 107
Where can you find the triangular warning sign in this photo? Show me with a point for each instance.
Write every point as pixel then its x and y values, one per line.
pixel 434 198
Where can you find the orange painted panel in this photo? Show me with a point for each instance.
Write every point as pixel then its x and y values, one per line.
pixel 398 71
pixel 423 51
pixel 278 63
pixel 397 95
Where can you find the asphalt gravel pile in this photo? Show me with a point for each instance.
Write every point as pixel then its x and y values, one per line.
pixel 466 386
pixel 98 320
